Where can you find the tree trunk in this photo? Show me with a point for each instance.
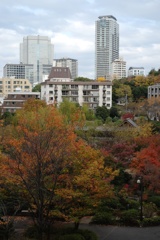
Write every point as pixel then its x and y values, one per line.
pixel 76 225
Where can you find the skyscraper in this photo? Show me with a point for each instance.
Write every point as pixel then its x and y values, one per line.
pixel 37 50
pixel 106 45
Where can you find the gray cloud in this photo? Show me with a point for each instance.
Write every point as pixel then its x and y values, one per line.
pixel 71 26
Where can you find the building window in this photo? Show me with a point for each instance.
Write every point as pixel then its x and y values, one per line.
pixel 74 99
pixel 74 92
pixel 86 99
pixel 94 86
pixel 74 86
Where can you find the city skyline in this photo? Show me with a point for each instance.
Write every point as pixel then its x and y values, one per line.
pixel 72 30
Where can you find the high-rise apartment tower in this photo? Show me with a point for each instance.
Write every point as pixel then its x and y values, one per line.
pixel 37 50
pixel 106 45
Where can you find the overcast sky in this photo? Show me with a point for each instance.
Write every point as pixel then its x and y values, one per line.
pixel 71 26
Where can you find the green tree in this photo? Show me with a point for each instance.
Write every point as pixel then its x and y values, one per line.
pixel 102 113
pixel 72 112
pixel 37 88
pixel 7 118
pixel 113 112
pixel 89 113
pixel 82 79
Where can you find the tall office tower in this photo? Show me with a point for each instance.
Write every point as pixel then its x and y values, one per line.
pixel 37 50
pixel 106 45
pixel 67 62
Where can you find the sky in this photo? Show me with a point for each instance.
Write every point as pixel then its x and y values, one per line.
pixel 71 26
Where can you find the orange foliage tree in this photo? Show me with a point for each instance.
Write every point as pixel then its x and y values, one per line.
pixel 146 162
pixel 56 170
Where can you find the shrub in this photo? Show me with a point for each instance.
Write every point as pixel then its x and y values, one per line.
pixel 64 234
pixel 129 217
pixel 71 237
pixel 6 228
pixel 155 221
pixel 149 209
pixel 31 232
pixel 88 235
pixel 103 218
pixel 155 199
pixel 133 204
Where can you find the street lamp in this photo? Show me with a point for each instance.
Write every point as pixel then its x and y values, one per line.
pixel 140 182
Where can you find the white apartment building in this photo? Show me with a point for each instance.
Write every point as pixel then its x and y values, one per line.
pixel 37 50
pixel 118 69
pixel 93 93
pixel 106 45
pixel 60 86
pixel 8 85
pixel 67 62
pixel 136 71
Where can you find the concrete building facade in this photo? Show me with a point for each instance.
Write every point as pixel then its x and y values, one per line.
pixel 136 71
pixel 118 69
pixel 68 62
pixel 37 50
pixel 19 71
pixel 106 45
pixel 93 93
pixel 154 91
pixel 8 85
pixel 15 101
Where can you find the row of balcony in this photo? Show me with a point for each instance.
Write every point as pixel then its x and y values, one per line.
pixel 76 87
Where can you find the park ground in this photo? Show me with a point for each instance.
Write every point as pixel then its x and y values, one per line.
pixel 103 232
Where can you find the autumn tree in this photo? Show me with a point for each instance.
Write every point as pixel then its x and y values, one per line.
pixel 146 162
pixel 142 81
pixel 55 169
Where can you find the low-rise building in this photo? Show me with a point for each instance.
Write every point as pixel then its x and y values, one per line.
pixel 16 100
pixel 154 91
pixel 8 85
pixel 92 93
pixel 136 71
pixel 60 85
